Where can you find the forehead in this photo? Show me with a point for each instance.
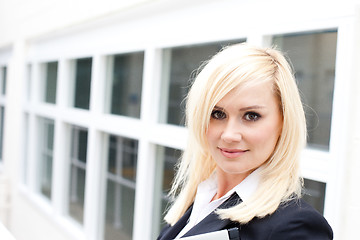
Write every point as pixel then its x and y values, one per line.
pixel 261 94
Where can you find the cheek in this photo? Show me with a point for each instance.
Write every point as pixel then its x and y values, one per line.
pixel 209 135
pixel 212 133
pixel 266 136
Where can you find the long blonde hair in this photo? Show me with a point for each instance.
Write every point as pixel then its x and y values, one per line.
pixel 237 65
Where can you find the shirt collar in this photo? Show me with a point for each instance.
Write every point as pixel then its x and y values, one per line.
pixel 244 189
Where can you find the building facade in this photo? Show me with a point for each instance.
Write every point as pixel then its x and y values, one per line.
pixel 92 110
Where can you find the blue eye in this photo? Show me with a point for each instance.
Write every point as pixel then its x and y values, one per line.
pixel 252 116
pixel 218 114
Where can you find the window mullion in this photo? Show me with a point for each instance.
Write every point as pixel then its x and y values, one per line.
pixel 95 166
pixel 61 148
pixel 32 159
pixel 94 169
pixel 146 153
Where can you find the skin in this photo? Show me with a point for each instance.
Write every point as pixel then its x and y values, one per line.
pixel 244 128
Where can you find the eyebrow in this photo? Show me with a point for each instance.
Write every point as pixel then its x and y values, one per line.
pixel 217 107
pixel 252 107
pixel 244 108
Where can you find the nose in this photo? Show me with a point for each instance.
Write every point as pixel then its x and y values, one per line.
pixel 232 132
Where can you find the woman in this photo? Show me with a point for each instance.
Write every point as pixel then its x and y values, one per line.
pixel 241 165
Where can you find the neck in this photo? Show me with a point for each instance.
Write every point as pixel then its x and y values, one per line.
pixel 226 182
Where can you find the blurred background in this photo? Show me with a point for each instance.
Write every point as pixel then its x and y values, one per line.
pixel 92 110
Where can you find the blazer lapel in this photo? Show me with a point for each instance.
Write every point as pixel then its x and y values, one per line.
pixel 212 222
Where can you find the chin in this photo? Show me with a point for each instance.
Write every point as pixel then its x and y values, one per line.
pixel 234 171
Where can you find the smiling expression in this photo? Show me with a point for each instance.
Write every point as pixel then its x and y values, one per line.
pixel 244 128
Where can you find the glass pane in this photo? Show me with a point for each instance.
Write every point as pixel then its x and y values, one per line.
pixel 126 84
pixel 130 148
pixel 82 146
pixel 122 157
pixel 50 135
pixel 77 193
pixel 315 194
pixel 313 56
pixel 120 202
pixel 179 66
pixel 46 156
pixel 3 81
pixel 82 83
pixel 171 157
pixel 77 173
pixel 112 158
pixel 2 112
pixel 46 176
pixel 50 82
pixel 167 158
pixel 120 193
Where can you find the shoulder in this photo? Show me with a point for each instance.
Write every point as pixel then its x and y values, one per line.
pixel 298 218
pixel 295 219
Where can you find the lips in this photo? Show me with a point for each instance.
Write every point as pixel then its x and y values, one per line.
pixel 232 153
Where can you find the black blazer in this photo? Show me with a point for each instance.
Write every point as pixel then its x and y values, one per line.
pixel 295 220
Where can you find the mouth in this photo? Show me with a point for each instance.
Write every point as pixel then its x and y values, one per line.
pixel 232 153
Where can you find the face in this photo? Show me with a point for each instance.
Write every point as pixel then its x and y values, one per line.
pixel 244 128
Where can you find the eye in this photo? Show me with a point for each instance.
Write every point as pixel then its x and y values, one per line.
pixel 218 114
pixel 252 116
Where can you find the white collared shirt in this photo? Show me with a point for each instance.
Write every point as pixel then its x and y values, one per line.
pixel 206 190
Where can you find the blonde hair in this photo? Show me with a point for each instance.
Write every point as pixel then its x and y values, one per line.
pixel 240 65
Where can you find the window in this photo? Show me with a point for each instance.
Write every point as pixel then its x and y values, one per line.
pixel 77 173
pixel 313 56
pixel 120 188
pixel 50 82
pixel 82 83
pixel 179 68
pixel 2 112
pixel 3 73
pixel 315 194
pixel 45 164
pixel 25 164
pixel 125 84
pixel 166 160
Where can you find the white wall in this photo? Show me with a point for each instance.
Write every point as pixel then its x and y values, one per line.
pixel 34 18
pixel 352 177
